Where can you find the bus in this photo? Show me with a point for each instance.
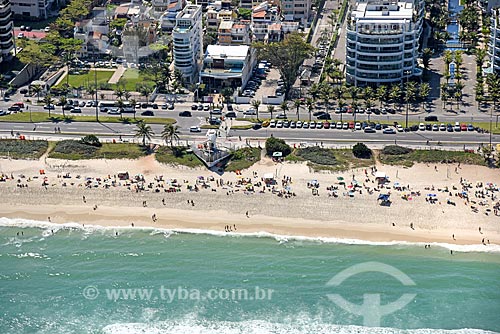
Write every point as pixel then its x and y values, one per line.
pixel 105 106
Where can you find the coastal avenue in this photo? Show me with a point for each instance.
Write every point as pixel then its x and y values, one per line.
pixel 328 136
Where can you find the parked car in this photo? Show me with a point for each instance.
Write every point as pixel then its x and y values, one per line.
pixel 431 118
pixel 194 107
pixel 195 129
pixel 49 107
pixel 76 110
pixel 216 111
pixel 324 116
pixel 389 131
pixel 435 127
pixel 257 126
pixel 231 114
pixel 421 127
pixel 185 113
pixel 147 113
pixel 369 130
pixel 442 127
pixel 470 127
pixel 81 104
pixel 250 111
pixel 114 111
pixel 281 116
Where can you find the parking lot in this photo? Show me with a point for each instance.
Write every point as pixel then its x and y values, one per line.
pixel 263 83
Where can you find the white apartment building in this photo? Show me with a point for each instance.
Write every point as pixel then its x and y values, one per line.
pixel 382 41
pixel 296 11
pixel 494 44
pixel 227 66
pixel 32 8
pixel 188 42
pixel 6 43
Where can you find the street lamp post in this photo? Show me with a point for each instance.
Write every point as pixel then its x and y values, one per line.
pixel 95 82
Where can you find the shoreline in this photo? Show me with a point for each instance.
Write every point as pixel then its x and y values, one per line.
pixel 202 222
pixel 300 203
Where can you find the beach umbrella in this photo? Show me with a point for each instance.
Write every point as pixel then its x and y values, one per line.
pixel 340 178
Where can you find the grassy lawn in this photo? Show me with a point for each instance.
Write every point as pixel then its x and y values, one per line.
pixel 44 117
pixel 84 79
pixel 178 156
pixel 329 159
pixel 131 78
pixel 74 150
pixel 430 156
pixel 243 159
pixel 22 149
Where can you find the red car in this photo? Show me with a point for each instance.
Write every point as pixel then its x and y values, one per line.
pixel 351 125
pixel 463 127
pixel 326 125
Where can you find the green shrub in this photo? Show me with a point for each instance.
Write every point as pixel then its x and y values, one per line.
pixel 23 149
pixel 277 145
pixel 395 150
pixel 73 148
pixel 361 151
pixel 318 155
pixel 91 140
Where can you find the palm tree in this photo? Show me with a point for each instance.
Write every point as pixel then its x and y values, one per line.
pixel 284 107
pixel 480 55
pixel 120 105
pixel 270 109
pixel 127 94
pixel 426 58
pixel 297 103
pixel 424 92
pixel 119 92
pixel 395 94
pixel 310 107
pixel 381 94
pixel 256 105
pixel 133 102
pixel 37 89
pixel 143 130
pixel 145 91
pixel 48 101
pixel 63 102
pixel 169 133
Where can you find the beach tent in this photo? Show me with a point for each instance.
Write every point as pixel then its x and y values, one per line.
pixel 269 179
pixel 383 197
pixel 381 177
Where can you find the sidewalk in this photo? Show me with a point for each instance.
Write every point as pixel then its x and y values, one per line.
pixel 117 75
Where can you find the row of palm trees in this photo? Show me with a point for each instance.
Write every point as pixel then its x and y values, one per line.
pixel 357 97
pixel 169 134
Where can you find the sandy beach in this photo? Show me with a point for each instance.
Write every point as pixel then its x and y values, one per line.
pixel 90 192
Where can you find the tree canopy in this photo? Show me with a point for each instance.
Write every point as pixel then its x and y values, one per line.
pixel 286 56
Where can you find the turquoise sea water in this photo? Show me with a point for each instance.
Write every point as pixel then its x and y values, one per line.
pixel 71 280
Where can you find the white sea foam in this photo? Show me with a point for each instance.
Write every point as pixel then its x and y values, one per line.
pixel 282 239
pixel 263 327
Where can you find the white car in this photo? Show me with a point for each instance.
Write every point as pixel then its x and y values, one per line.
pixel 279 124
pixel 421 127
pixel 357 126
pixel 345 126
pixel 299 124
pixel 20 35
pixel 399 128
pixel 442 127
pixel 46 29
pixel 272 124
pixel 195 129
pixel 114 111
pixel 339 125
pixel 250 111
pixel 435 127
pixel 217 111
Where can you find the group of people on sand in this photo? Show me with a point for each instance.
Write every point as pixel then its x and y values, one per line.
pixel 229 228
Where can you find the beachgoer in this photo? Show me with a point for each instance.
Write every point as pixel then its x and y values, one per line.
pixel 163 201
pixel 48 218
pixel 451 251
pixel 234 226
pixel 248 216
pixel 480 230
pixel 453 236
pixel 84 200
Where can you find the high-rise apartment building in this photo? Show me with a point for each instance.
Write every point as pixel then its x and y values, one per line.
pixel 188 42
pixel 382 41
pixel 6 42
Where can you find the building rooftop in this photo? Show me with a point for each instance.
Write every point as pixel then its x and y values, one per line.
pixel 374 9
pixel 227 51
pixel 226 25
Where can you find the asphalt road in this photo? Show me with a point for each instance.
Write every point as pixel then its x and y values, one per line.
pixel 327 136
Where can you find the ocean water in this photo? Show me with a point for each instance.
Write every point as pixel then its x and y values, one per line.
pixel 65 279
